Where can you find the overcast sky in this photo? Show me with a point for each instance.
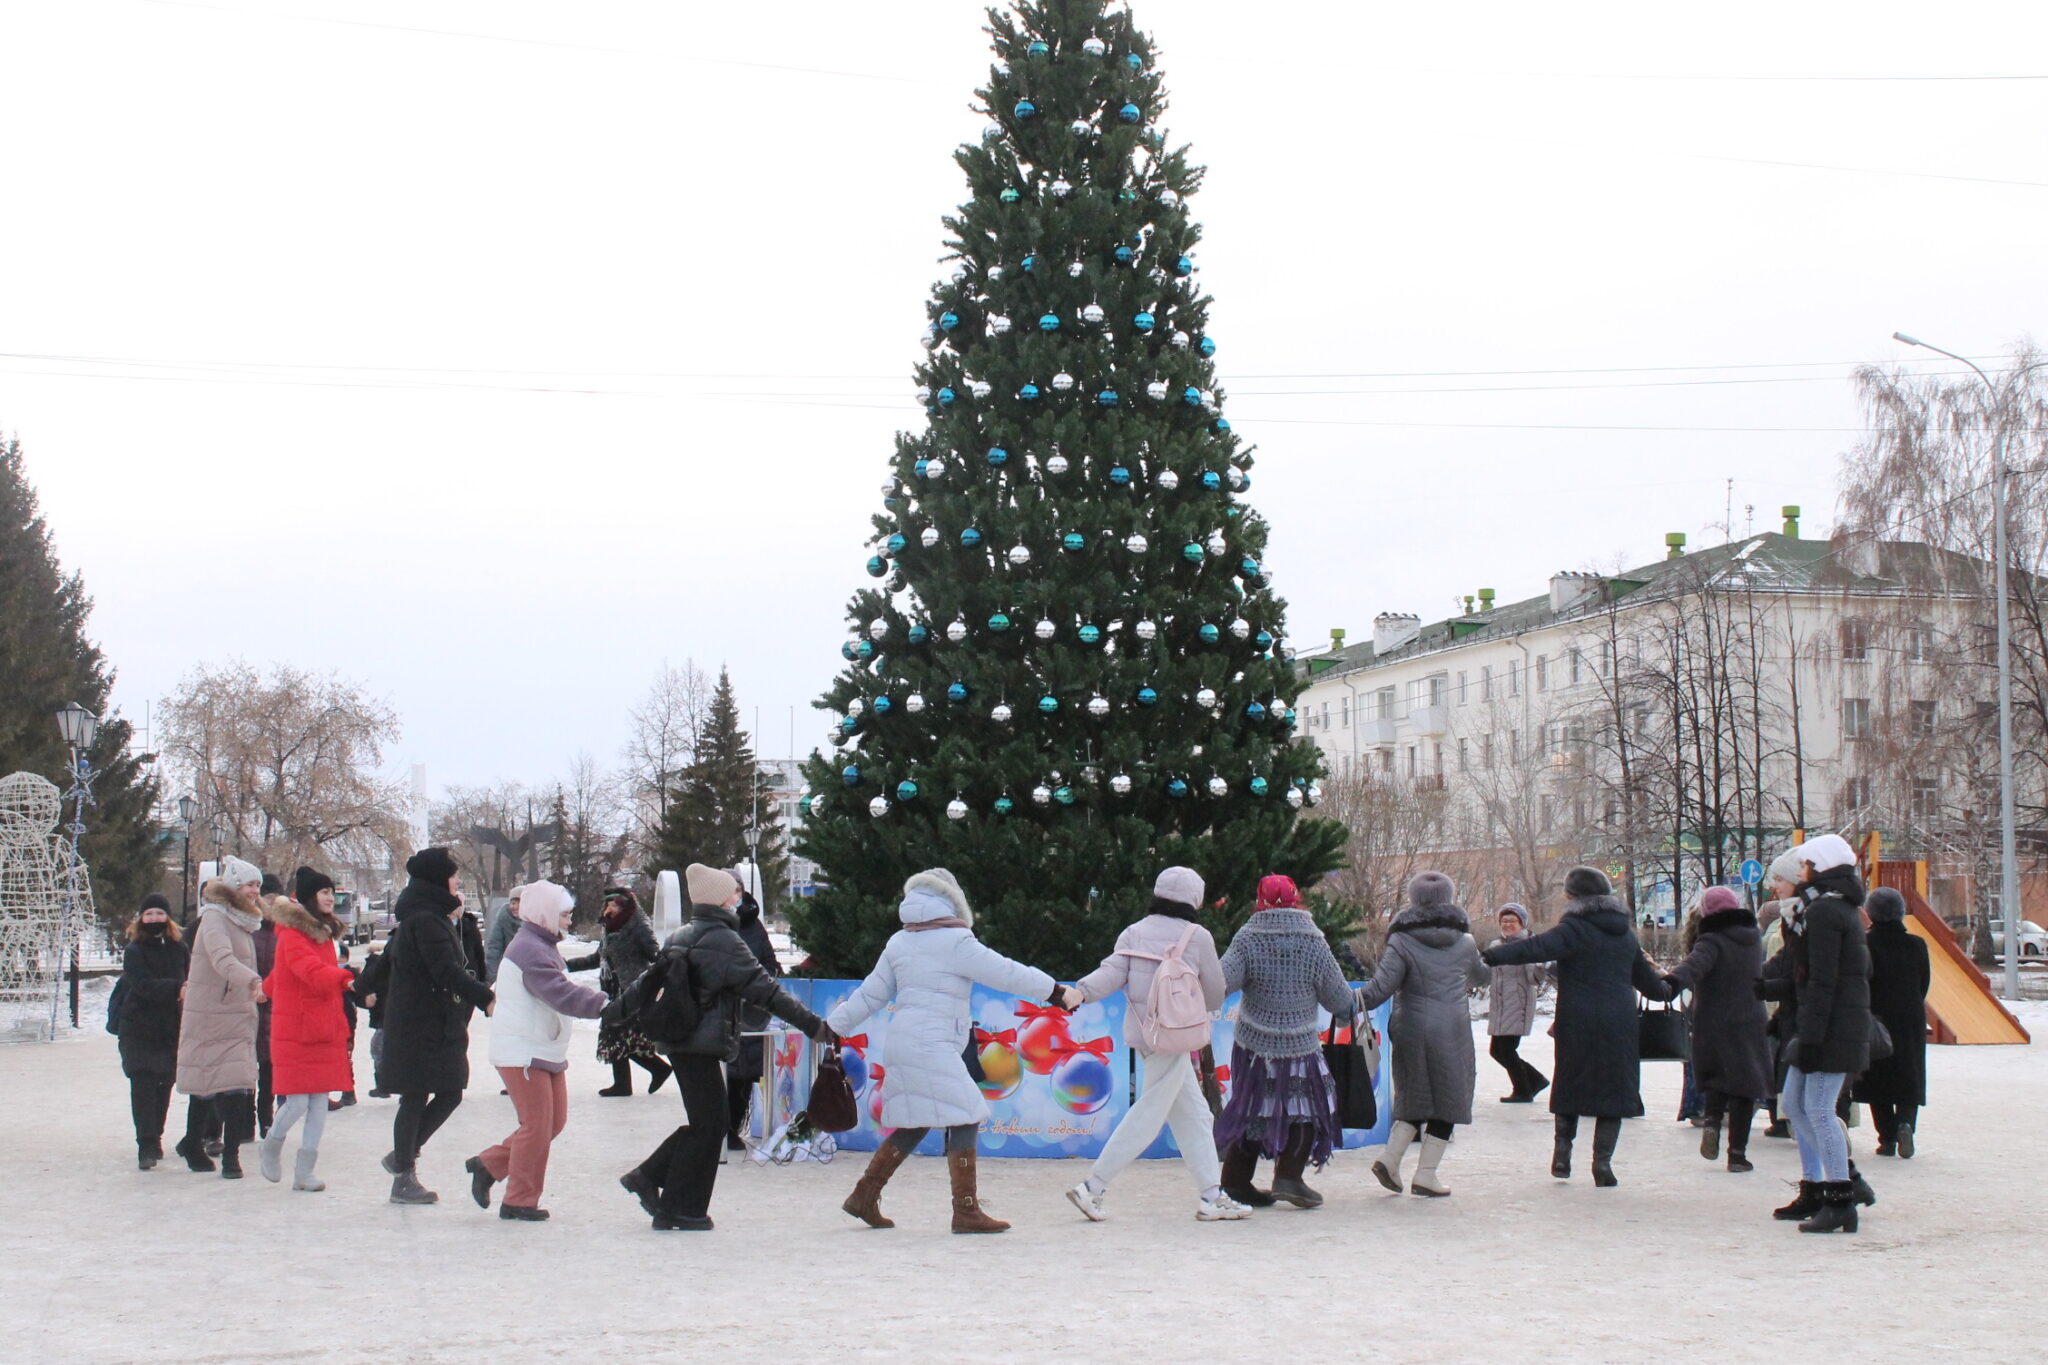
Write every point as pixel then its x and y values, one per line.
pixel 493 353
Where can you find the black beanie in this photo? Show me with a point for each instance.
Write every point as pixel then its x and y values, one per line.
pixel 1583 882
pixel 435 865
pixel 156 900
pixel 306 884
pixel 273 885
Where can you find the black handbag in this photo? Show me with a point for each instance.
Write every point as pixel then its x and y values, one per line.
pixel 1357 1105
pixel 1663 1035
pixel 1880 1040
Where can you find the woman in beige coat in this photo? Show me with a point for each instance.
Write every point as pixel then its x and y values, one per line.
pixel 217 1030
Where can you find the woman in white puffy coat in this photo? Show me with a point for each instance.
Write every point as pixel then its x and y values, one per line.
pixel 929 968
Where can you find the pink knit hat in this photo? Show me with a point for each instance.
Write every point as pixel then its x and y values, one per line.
pixel 1716 898
pixel 1278 893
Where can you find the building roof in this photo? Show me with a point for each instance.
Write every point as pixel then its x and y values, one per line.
pixel 1767 563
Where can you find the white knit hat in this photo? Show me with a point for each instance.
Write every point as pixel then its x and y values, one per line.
pixel 1826 851
pixel 1181 885
pixel 547 906
pixel 708 885
pixel 236 872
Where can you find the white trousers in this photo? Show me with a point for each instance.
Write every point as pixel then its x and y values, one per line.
pixel 1171 1097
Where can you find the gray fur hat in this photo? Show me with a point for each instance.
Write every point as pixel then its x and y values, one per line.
pixel 1581 883
pixel 1884 905
pixel 1426 889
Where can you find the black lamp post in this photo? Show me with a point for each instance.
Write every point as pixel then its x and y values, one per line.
pixel 187 808
pixel 78 726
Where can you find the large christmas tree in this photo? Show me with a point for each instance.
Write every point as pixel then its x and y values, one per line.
pixel 1071 672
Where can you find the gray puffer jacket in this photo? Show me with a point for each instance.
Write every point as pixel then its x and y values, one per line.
pixel 1285 969
pixel 1430 966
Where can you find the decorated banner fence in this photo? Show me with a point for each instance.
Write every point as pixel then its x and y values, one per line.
pixel 1056 1082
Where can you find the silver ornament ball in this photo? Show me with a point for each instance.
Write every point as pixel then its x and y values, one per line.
pixel 957 632
pixel 928 537
pixel 1217 787
pixel 1098 707
pixel 1137 544
pixel 878 807
pixel 1020 555
pixel 1147 630
pixel 1056 465
pixel 914 703
pixel 1044 630
pixel 956 809
pixel 1042 794
pixel 1063 381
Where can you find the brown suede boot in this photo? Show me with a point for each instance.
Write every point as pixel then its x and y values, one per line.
pixel 865 1203
pixel 968 1215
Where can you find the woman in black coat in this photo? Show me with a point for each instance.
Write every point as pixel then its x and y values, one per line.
pixel 428 994
pixel 1831 1040
pixel 628 950
pixel 153 967
pixel 1600 970
pixel 1731 1052
pixel 742 1075
pixel 1896 1087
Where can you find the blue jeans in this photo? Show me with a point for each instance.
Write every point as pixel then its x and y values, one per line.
pixel 1809 1104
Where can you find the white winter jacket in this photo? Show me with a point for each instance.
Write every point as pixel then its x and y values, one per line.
pixel 534 993
pixel 931 974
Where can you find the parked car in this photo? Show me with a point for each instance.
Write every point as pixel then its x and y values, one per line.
pixel 2033 939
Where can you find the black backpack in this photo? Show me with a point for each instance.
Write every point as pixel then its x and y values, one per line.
pixel 661 1004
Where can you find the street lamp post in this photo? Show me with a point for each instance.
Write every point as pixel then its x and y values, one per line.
pixel 78 726
pixel 2008 836
pixel 187 808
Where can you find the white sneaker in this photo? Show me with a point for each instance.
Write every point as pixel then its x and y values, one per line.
pixel 1221 1209
pixel 1086 1200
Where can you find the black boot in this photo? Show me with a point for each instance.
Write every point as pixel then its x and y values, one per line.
pixel 1741 1113
pixel 658 1071
pixel 1288 1169
pixel 480 1181
pixel 1837 1212
pixel 1778 1128
pixel 1564 1128
pixel 1804 1204
pixel 622 1081
pixel 1710 1138
pixel 1240 1164
pixel 1860 1188
pixel 1606 1133
pixel 1905 1140
pixel 238 1125
pixel 643 1182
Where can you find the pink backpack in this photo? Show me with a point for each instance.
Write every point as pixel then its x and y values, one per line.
pixel 1177 1015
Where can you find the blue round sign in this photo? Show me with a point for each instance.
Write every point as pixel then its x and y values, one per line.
pixel 1752 872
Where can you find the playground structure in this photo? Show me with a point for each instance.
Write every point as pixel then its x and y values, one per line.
pixel 1962 1008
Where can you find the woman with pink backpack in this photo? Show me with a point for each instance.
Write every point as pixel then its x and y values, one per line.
pixel 1167 964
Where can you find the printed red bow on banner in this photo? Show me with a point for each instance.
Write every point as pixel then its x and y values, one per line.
pixel 1100 1047
pixel 857 1041
pixel 1028 1013
pixel 1008 1037
pixel 785 1056
pixel 876 1072
pixel 1223 1074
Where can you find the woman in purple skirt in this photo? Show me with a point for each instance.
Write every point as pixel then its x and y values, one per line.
pixel 1282 1101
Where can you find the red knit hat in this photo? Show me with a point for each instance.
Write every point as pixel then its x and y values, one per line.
pixel 1278 893
pixel 1718 898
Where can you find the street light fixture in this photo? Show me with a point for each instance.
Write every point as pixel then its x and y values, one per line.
pixel 78 726
pixel 2008 836
pixel 188 806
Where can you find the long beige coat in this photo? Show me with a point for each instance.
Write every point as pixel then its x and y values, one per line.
pixel 217 1032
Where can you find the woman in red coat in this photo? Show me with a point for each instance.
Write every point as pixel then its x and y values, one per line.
pixel 308 1027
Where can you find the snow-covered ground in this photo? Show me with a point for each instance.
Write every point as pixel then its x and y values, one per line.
pixel 104 1263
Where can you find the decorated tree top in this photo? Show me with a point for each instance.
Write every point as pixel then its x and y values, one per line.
pixel 1071 671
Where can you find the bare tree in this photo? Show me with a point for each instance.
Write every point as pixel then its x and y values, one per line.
pixel 1393 825
pixel 496 833
pixel 288 765
pixel 662 743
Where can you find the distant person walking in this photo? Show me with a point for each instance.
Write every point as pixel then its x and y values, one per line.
pixel 742 1077
pixel 1429 969
pixel 627 950
pixel 308 1024
pixel 217 1029
pixel 1731 1052
pixel 429 994
pixel 153 968
pixel 1600 969
pixel 504 928
pixel 1283 1103
pixel 1166 966
pixel 1895 1088
pixel 1511 1012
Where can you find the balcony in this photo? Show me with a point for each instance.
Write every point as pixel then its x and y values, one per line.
pixel 1429 720
pixel 1376 732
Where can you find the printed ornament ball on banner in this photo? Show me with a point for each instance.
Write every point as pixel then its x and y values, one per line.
pixel 854 1059
pixel 1002 1070
pixel 1042 1032
pixel 1081 1079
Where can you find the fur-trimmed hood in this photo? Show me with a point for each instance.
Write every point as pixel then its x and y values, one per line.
pixel 230 897
pixel 1605 913
pixel 1727 921
pixel 934 894
pixel 289 914
pixel 1436 926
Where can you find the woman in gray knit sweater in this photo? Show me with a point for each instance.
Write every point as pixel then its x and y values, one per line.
pixel 1282 1101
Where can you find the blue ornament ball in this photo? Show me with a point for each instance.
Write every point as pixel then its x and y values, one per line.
pixel 1191 552
pixel 1192 396
pixel 1009 196
pixel 946 397
pixel 1210 635
pixel 846 650
pixel 877 566
pixel 1038 47
pixel 850 774
pixel 1073 542
pixel 1208 346
pixel 1220 425
pixel 1144 322
pixel 1024 109
pixel 1130 113
pixel 863 649
pixel 848 724
pixel 1177 789
pixel 1212 481
pixel 1287 718
pixel 1263 641
pixel 1119 475
pixel 883 705
pixel 957 692
pixel 999 622
pixel 919 634
pixel 1254 711
pixel 1049 322
pixel 1109 398
pixel 1090 635
pixel 1004 805
pixel 1259 786
pixel 1183 266
pixel 1029 263
pixel 1124 255
pixel 997 455
pixel 1134 61
pixel 1248 566
pixel 949 320
pixel 896 543
pixel 1148 696
pixel 1063 795
pixel 1048 704
pixel 906 790
pixel 1029 393
pixel 804 805
pixel 970 538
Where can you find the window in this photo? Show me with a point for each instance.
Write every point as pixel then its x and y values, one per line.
pixel 1326 715
pixel 1438 686
pixel 1855 801
pixel 1926 799
pixel 1542 672
pixel 1920 644
pixel 1514 677
pixel 1987 643
pixel 1486 682
pixel 1578 662
pixel 1386 760
pixel 1855 718
pixel 1383 702
pixel 1412 767
pixel 1344 710
pixel 1486 752
pixel 1436 763
pixel 1514 746
pixel 1923 719
pixel 1607 658
pixel 1464 757
pixel 1547 814
pixel 1855 641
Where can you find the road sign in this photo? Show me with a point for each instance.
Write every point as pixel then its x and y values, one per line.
pixel 1752 872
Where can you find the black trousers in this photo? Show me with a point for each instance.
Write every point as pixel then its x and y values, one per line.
pixel 266 1102
pixel 1506 1049
pixel 685 1166
pixel 419 1117
pixel 1887 1117
pixel 149 1100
